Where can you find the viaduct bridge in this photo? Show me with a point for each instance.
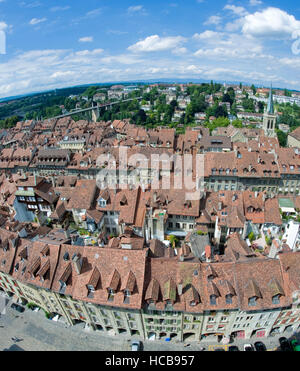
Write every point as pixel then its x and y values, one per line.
pixel 95 109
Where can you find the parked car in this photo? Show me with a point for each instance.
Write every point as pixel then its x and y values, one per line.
pixel 295 345
pixel 17 307
pixel 260 347
pixel 248 348
pixel 285 344
pixel 233 348
pixel 136 346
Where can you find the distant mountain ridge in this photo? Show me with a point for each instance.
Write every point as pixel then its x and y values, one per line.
pixel 143 82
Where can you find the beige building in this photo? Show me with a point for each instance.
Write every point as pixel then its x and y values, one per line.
pixel 294 138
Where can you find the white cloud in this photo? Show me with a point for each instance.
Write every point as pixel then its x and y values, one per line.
pixel 3 26
pixel 255 2
pixel 86 39
pixel 291 62
pixel 59 8
pixel 271 22
pixel 135 9
pixel 226 45
pixel 62 74
pixel 122 59
pixel 36 21
pixel 179 51
pixel 238 10
pixel 208 34
pixel 156 43
pixel 214 19
pixel 93 13
pixel 89 52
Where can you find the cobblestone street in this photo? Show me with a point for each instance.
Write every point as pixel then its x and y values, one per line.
pixel 37 333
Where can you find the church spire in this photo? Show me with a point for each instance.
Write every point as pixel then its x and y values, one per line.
pixel 270 109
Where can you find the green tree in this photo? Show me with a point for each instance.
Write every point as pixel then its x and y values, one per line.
pixel 282 137
pixel 221 111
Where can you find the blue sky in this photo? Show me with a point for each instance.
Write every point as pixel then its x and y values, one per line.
pixel 61 43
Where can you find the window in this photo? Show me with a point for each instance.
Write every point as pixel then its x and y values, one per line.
pixel 127 293
pixel 213 300
pixel 228 299
pixel 252 301
pixel 102 203
pixel 276 299
pixel 111 294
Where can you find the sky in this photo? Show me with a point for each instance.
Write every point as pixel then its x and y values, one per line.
pixel 47 44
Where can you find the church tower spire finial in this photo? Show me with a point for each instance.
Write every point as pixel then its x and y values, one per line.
pixel 270 108
pixel 269 120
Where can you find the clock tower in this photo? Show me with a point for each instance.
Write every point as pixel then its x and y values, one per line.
pixel 269 120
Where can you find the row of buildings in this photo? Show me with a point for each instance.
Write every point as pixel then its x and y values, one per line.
pixel 135 288
pixel 145 260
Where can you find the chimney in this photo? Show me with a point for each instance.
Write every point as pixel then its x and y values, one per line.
pixel 181 257
pixel 220 205
pixel 180 288
pixel 67 234
pixel 208 253
pixel 77 262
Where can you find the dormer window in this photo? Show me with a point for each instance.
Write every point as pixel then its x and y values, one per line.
pixel 111 294
pixel 91 288
pixel 276 299
pixel 213 300
pixel 102 202
pixel 127 295
pixel 228 299
pixel 252 301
